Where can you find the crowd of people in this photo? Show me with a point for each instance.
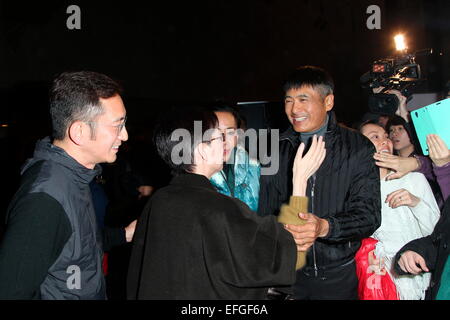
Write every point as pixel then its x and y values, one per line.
pixel 349 214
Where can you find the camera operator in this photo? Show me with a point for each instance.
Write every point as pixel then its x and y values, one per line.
pixel 402 111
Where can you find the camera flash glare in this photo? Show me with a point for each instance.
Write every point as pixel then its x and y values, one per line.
pixel 400 42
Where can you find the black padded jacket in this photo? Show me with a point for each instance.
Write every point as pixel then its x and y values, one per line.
pixel 434 249
pixel 345 191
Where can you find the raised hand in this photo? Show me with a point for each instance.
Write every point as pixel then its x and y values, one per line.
pixel 439 152
pixel 401 165
pixel 305 166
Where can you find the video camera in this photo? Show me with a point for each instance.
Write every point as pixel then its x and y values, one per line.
pixel 400 72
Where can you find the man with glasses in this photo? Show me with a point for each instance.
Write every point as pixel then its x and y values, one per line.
pixel 239 177
pixel 52 248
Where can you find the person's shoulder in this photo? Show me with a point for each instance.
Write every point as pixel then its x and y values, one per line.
pixel 37 206
pixel 351 133
pixel 220 204
pixel 38 200
pixel 354 140
pixel 174 194
pixel 47 174
pixel 415 177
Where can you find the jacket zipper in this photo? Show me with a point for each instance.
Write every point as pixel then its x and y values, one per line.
pixel 312 210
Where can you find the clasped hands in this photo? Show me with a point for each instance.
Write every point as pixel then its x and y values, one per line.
pixel 305 235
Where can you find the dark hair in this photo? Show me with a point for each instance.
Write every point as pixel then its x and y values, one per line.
pixel 396 120
pixel 231 109
pixel 75 96
pixel 315 77
pixel 184 119
pixel 370 121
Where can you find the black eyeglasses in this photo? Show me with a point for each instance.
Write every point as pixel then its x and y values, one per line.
pixel 119 127
pixel 222 137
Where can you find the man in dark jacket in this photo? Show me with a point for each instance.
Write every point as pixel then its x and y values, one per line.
pixel 52 248
pixel 345 191
pixel 429 254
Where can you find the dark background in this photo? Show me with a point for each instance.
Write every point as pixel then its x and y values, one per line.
pixel 192 52
pixel 170 53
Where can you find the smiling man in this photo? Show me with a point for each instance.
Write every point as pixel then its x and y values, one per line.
pixel 344 193
pixel 52 247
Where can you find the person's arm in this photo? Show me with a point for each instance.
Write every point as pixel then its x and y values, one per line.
pixel 412 262
pixel 304 167
pixel 247 250
pixel 424 247
pixel 443 179
pixel 36 232
pixel 403 165
pixel 114 236
pixel 440 155
pixel 423 204
pixel 425 166
pixel 402 110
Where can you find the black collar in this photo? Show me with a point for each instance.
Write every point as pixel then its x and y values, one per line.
pixel 192 180
pixel 293 136
pixel 45 150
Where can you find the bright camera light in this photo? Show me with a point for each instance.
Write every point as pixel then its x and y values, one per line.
pixel 400 42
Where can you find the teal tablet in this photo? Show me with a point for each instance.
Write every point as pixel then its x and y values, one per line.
pixel 432 119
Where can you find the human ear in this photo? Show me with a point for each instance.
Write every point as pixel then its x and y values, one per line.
pixel 77 132
pixel 329 102
pixel 201 151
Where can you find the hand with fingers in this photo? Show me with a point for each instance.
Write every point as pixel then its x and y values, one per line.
pixel 305 234
pixel 129 231
pixel 412 262
pixel 439 152
pixel 305 166
pixel 402 110
pixel 308 227
pixel 401 165
pixel 401 197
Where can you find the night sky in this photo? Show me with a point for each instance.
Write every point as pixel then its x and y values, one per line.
pixel 201 51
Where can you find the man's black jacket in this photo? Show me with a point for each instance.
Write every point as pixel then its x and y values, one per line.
pixel 345 191
pixel 434 249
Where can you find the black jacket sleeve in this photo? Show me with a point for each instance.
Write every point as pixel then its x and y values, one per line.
pixel 249 251
pixel 363 215
pixel 113 237
pixel 36 232
pixel 423 246
pixel 428 247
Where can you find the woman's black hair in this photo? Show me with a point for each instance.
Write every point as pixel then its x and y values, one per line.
pixel 182 119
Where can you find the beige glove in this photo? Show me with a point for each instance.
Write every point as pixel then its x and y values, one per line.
pixel 289 215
